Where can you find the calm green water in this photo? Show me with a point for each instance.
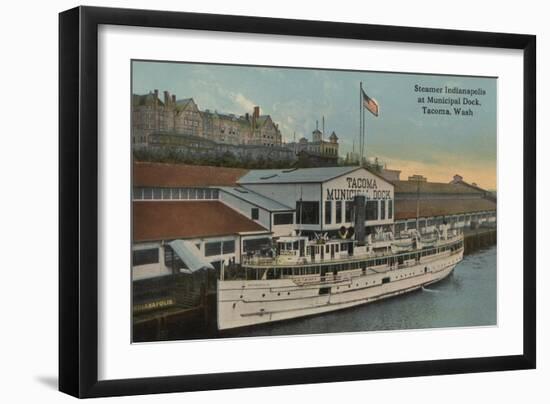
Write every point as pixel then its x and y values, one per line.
pixel 467 297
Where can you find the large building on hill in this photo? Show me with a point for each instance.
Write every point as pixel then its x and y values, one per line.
pixel 170 116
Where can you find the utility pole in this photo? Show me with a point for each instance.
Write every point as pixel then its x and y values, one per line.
pixel 417 204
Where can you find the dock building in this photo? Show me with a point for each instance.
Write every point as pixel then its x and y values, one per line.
pixel 213 216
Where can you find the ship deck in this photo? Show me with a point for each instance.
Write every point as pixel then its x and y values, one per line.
pixel 268 262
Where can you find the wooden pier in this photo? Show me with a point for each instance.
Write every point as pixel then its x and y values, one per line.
pixel 476 239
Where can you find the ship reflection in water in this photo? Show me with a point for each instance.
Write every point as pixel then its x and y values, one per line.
pixel 466 298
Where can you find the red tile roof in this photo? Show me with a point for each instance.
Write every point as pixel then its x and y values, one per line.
pixel 406 209
pixel 166 220
pixel 184 175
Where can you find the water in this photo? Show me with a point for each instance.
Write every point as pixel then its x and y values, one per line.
pixel 466 298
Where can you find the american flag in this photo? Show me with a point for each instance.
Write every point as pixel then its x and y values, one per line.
pixel 370 103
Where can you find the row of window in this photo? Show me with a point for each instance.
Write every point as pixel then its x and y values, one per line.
pixel 371 211
pixel 231 131
pixel 422 223
pixel 145 257
pixel 151 255
pixel 219 248
pixel 283 218
pixel 190 123
pixel 275 273
pixel 175 193
pixel 278 218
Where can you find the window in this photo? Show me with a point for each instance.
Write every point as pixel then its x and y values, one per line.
pixel 212 248
pixel 282 218
pixel 390 209
pixel 144 257
pixel 308 212
pixel 256 244
pixel 338 211
pixel 382 210
pixel 324 291
pixel 228 247
pixel 350 212
pixel 371 210
pixel 171 260
pixel 147 193
pixel 255 213
pixel 411 224
pixel 328 212
pixel 399 227
pixel 157 193
pixel 166 193
pixel 137 193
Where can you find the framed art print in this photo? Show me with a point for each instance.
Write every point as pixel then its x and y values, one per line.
pixel 249 201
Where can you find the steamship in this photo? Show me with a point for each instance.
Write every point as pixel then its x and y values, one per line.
pixel 303 276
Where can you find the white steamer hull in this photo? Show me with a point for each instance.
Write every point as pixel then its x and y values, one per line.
pixel 249 302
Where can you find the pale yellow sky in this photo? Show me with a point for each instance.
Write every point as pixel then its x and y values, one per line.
pixel 482 173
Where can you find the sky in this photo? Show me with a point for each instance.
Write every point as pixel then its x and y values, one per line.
pixel 403 137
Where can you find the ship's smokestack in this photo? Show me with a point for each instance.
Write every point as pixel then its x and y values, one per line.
pixel 359 204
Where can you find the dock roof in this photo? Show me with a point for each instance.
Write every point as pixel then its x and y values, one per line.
pixel 148 174
pixel 295 175
pixel 256 199
pixel 435 188
pixel 167 220
pixel 406 209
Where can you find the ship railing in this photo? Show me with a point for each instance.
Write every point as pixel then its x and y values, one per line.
pixel 273 261
pixel 307 280
pixel 259 261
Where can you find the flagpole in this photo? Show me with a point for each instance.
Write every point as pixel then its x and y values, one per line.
pixel 364 138
pixel 360 122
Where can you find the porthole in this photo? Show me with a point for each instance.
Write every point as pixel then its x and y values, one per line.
pixel 263 294
pixel 279 294
pixel 288 293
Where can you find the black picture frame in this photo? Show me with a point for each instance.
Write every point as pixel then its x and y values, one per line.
pixel 78 200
